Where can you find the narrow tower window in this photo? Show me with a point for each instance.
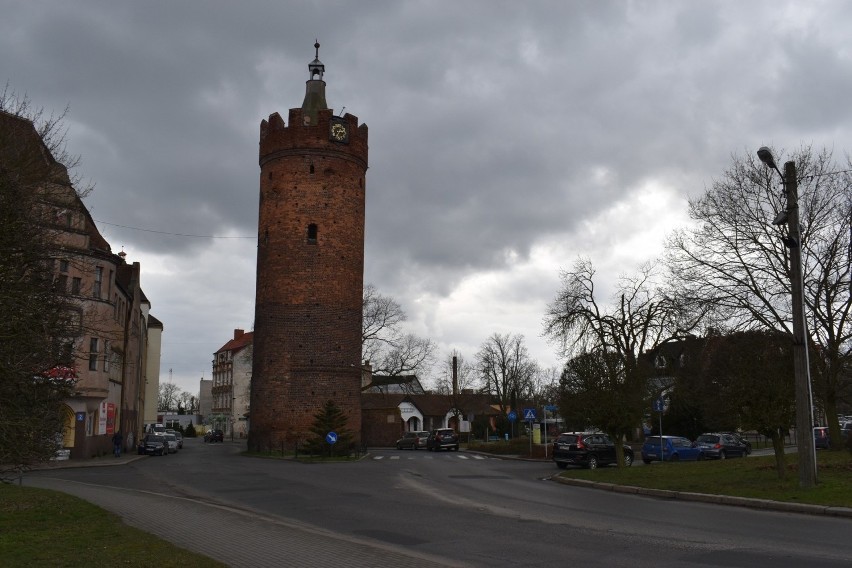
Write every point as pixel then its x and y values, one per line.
pixel 312 233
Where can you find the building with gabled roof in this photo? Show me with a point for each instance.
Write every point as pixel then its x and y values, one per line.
pixel 385 416
pixel 103 293
pixel 231 386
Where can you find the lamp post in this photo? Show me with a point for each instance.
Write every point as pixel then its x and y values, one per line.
pixel 801 365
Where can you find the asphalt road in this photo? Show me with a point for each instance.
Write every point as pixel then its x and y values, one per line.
pixel 405 508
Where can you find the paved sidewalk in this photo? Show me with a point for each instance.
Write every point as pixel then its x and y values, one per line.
pixel 238 537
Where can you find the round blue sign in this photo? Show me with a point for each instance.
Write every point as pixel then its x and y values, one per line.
pixel 331 437
pixel 512 416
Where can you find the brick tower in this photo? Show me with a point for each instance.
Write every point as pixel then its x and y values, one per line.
pixel 310 269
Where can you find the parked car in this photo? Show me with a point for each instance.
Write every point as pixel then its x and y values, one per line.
pixel 152 444
pixel 177 435
pixel 670 448
pixel 214 436
pixel 442 438
pixel 741 440
pixel 412 440
pixel 821 439
pixel 171 442
pixel 721 446
pixel 587 449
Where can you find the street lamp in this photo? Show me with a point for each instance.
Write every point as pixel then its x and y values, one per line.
pixel 801 366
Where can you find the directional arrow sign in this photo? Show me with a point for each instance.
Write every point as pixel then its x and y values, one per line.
pixel 512 416
pixel 331 437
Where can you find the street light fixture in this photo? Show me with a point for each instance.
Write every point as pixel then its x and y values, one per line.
pixel 801 366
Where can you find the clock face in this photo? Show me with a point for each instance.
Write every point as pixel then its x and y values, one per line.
pixel 339 132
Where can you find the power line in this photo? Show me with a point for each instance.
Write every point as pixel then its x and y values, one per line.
pixel 171 234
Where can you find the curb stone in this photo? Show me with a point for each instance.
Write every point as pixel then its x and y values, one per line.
pixel 765 504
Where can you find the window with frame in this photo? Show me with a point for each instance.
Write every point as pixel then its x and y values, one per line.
pixel 93 354
pixel 63 265
pixel 99 278
pixel 106 355
pixel 312 233
pixel 76 284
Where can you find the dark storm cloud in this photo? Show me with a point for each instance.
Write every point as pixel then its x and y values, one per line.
pixel 501 133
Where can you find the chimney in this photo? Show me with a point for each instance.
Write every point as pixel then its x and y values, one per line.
pixel 455 377
pixel 238 333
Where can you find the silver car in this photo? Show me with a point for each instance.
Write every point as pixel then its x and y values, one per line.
pixel 171 441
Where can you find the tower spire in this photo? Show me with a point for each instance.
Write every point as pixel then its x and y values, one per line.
pixel 314 89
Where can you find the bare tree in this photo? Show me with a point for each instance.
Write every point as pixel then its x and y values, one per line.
pixel 506 368
pixel 185 402
pixel 735 260
pixel 168 396
pixel 52 130
pixel 38 325
pixel 609 339
pixel 383 342
pixel 546 385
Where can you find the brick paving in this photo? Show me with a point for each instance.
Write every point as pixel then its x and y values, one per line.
pixel 237 537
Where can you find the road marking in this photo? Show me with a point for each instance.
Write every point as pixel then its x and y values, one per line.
pixel 378 457
pixel 394 457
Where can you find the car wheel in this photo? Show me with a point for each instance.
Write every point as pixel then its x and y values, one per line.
pixel 674 458
pixel 628 460
pixel 646 461
pixel 398 447
pixel 561 465
pixel 701 456
pixel 593 462
pixel 456 449
pixel 722 455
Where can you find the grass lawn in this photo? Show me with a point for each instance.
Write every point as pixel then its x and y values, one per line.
pixel 39 527
pixel 754 477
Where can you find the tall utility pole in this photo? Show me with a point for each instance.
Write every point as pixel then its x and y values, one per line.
pixel 801 364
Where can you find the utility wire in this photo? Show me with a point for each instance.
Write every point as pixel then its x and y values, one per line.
pixel 172 234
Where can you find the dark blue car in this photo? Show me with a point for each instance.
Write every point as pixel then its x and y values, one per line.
pixel 670 448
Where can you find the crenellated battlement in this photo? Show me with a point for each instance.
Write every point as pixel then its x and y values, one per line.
pixel 277 137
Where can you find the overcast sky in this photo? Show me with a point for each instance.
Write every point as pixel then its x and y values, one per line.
pixel 506 138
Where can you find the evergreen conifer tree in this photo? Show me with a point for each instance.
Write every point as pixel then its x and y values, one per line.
pixel 330 419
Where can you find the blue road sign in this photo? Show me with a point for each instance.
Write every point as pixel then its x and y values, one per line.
pixel 659 405
pixel 331 437
pixel 529 414
pixel 512 416
pixel 551 408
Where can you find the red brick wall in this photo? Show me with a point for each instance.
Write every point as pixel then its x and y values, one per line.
pixel 307 335
pixel 381 427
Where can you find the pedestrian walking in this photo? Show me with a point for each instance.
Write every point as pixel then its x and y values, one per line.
pixel 116 444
